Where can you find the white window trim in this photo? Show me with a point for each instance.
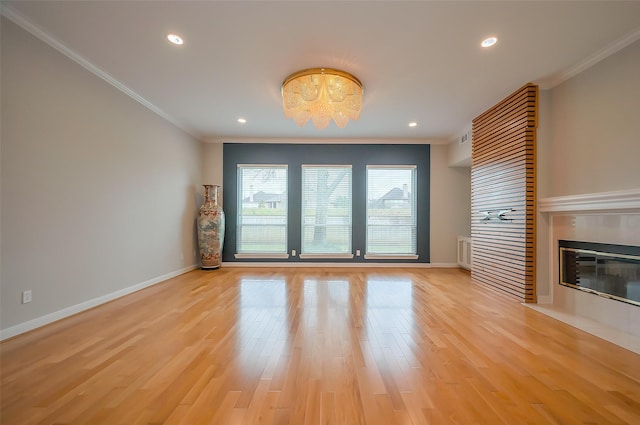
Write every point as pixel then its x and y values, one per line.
pixel 327 166
pixel 259 255
pixel 390 257
pixel 325 256
pixel 392 166
pixel 262 165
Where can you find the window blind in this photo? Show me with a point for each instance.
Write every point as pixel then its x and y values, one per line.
pixel 391 210
pixel 262 209
pixel 326 209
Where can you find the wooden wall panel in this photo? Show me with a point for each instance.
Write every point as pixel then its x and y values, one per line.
pixel 503 174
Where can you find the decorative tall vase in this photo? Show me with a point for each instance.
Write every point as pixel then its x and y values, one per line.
pixel 210 229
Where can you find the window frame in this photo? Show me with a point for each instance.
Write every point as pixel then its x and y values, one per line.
pixel 239 254
pixel 414 214
pixel 314 255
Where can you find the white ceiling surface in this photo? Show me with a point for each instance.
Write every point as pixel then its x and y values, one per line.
pixel 418 61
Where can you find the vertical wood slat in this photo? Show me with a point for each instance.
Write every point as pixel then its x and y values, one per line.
pixel 503 174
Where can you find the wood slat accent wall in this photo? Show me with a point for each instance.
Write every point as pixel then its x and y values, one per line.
pixel 503 174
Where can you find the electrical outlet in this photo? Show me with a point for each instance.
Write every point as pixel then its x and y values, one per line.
pixel 293 252
pixel 357 252
pixel 26 296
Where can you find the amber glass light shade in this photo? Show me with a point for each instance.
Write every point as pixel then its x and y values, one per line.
pixel 322 94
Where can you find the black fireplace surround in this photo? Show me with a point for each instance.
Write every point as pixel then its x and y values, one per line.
pixel 608 270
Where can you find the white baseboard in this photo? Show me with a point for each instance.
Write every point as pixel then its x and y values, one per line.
pixel 74 309
pixel 614 335
pixel 339 265
pixel 445 266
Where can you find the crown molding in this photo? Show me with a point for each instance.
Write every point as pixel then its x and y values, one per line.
pixel 328 141
pixel 589 61
pixel 618 201
pixel 44 36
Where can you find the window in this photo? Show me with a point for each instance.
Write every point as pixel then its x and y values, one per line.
pixel 262 211
pixel 391 211
pixel 326 211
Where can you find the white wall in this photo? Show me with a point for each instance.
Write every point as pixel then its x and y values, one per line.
pixel 212 166
pixel 460 153
pixel 543 190
pixel 595 120
pixel 450 206
pixel 98 193
pixel 588 141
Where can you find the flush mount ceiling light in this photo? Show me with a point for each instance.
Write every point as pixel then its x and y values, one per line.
pixel 322 94
pixel 413 124
pixel 175 39
pixel 488 42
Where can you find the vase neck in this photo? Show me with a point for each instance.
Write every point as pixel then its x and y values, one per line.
pixel 215 195
pixel 211 193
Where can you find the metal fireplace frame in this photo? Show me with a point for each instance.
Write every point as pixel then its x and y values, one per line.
pixel 600 253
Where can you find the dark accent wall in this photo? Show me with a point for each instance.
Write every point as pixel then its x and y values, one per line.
pixel 503 172
pixel 296 155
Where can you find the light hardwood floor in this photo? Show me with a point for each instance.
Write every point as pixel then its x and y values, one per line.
pixel 316 346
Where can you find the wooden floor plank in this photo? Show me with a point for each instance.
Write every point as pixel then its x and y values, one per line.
pixel 299 346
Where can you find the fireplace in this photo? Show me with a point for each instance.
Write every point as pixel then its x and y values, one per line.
pixel 607 270
pixel 607 220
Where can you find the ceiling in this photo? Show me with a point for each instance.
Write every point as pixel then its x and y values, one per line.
pixel 418 61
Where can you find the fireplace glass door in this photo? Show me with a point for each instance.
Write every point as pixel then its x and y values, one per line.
pixel 602 269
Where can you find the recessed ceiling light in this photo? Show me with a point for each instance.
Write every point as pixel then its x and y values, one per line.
pixel 242 120
pixel 413 124
pixel 488 42
pixel 175 39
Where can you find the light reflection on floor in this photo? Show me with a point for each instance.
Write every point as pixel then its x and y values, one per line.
pixel 317 318
pixel 390 321
pixel 263 323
